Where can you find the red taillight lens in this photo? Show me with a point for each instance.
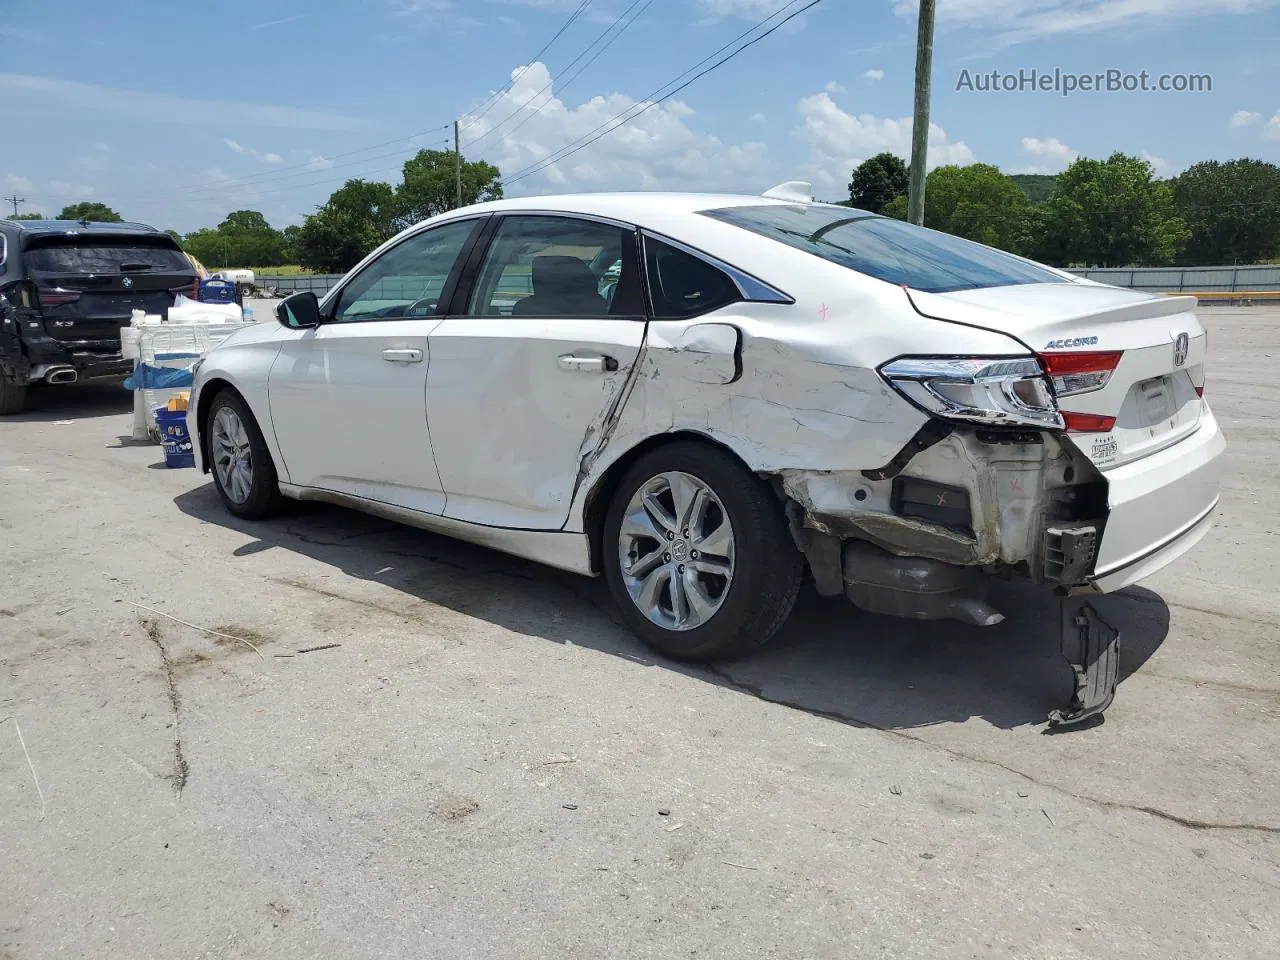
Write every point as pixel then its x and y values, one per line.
pixel 1088 423
pixel 1200 391
pixel 195 289
pixel 57 297
pixel 1080 372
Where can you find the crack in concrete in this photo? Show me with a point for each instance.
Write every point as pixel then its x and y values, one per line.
pixel 180 768
pixel 1190 823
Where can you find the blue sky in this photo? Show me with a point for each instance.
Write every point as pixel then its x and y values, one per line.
pixel 271 104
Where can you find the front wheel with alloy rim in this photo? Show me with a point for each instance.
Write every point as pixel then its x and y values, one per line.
pixel 243 472
pixel 697 554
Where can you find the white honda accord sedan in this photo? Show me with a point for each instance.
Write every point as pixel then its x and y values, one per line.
pixel 703 397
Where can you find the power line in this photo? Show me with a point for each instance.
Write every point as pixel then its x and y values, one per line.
pixel 583 142
pixel 493 99
pixel 564 84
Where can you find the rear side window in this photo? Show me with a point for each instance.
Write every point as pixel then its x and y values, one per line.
pixel 86 254
pixel 682 285
pixel 887 249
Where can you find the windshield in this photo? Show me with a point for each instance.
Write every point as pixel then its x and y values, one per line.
pixel 886 249
pixel 104 255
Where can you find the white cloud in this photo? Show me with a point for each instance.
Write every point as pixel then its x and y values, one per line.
pixel 65 190
pixel 15 182
pixel 840 140
pixel 1050 155
pixel 657 150
pixel 1162 166
pixel 247 151
pixel 1018 20
pixel 99 101
pixel 318 162
pixel 758 118
pixel 1245 118
pixel 1272 130
pixel 835 89
pixel 873 74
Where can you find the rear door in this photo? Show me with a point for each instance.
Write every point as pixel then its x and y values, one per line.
pixel 535 358
pixel 90 283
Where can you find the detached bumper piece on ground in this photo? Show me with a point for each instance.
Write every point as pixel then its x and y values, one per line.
pixel 1092 647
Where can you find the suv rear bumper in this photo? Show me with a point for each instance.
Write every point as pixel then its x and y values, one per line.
pixel 1160 507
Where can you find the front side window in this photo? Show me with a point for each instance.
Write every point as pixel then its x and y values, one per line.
pixel 887 249
pixel 558 267
pixel 407 280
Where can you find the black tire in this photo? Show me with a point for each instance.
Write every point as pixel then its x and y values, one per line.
pixel 767 565
pixel 264 499
pixel 13 396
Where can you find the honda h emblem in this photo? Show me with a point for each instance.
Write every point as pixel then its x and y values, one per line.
pixel 127 282
pixel 1181 347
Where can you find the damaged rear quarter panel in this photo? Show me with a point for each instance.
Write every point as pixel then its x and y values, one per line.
pixel 806 397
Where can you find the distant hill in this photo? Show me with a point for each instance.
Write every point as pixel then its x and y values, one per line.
pixel 1038 186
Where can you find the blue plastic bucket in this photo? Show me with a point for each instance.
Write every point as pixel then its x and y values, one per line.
pixel 174 437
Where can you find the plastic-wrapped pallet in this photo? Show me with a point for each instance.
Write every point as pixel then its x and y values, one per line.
pixel 166 354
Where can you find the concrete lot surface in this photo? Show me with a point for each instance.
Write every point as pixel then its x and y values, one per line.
pixel 488 765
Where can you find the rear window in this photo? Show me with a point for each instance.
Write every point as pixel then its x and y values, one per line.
pixel 887 249
pixel 105 255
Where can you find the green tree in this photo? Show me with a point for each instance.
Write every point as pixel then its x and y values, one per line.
pixel 90 210
pixel 28 216
pixel 1039 187
pixel 1232 210
pixel 176 236
pixel 1111 213
pixel 243 239
pixel 356 218
pixel 430 187
pixel 976 202
pixel 877 181
pixel 290 234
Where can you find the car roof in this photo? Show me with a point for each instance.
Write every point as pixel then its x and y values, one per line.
pixel 635 207
pixel 38 227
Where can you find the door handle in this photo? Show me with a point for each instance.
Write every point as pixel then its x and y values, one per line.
pixel 598 364
pixel 402 356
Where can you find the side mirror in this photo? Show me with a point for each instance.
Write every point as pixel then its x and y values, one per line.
pixel 299 311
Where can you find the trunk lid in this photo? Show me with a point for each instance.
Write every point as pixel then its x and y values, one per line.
pixel 1153 391
pixel 90 284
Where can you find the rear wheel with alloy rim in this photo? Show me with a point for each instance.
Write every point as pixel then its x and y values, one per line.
pixel 243 473
pixel 697 554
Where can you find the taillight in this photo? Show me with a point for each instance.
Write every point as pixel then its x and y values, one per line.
pixel 1200 391
pixel 1074 373
pixel 983 390
pixel 56 297
pixel 1088 423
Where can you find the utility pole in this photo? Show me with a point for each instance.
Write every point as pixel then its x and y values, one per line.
pixel 15 200
pixel 920 131
pixel 457 161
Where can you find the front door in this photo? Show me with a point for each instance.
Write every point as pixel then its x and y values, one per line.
pixel 348 398
pixel 521 382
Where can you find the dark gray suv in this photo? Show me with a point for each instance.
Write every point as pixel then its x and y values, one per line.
pixel 66 289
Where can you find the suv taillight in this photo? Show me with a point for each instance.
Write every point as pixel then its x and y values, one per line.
pixel 56 296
